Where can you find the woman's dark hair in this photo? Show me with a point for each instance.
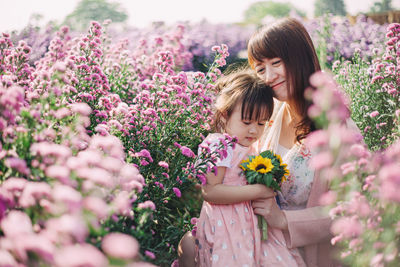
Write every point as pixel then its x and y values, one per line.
pixel 245 88
pixel 289 40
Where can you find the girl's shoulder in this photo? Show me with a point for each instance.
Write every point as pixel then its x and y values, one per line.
pixel 213 137
pixel 217 142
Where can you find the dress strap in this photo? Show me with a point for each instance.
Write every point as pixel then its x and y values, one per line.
pixel 272 134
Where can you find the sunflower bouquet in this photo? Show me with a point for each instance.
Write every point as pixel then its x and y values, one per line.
pixel 267 169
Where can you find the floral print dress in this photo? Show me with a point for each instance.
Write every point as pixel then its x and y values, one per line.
pixel 296 190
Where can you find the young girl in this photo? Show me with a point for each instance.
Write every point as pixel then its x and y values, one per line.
pixel 227 231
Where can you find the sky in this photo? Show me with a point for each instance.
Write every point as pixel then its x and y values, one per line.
pixel 16 13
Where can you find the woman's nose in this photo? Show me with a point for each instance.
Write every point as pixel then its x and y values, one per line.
pixel 270 75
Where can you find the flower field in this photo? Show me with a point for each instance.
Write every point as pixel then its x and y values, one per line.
pixel 99 134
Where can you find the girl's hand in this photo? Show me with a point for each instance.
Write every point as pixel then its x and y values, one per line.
pixel 261 191
pixel 269 209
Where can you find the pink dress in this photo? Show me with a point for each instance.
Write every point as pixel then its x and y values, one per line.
pixel 228 235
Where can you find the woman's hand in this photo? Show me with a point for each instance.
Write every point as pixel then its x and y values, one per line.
pixel 269 209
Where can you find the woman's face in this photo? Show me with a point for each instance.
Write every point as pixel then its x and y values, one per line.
pixel 273 72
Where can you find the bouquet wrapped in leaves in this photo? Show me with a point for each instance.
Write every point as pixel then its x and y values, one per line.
pixel 267 169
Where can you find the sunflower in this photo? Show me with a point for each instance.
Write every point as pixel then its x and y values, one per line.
pixel 241 164
pixel 260 164
pixel 284 177
pixel 278 157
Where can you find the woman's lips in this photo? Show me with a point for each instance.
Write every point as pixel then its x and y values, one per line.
pixel 277 85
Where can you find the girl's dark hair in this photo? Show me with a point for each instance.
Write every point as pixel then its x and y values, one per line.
pixel 289 40
pixel 244 88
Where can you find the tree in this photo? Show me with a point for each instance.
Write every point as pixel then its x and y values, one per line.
pixel 259 10
pixel 335 7
pixel 381 6
pixel 99 10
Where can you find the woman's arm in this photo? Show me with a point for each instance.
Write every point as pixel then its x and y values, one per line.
pixel 302 227
pixel 217 193
pixel 307 226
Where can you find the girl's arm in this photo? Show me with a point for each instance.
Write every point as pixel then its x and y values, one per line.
pixel 217 193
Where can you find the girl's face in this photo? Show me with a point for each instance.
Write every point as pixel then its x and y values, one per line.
pixel 273 72
pixel 247 131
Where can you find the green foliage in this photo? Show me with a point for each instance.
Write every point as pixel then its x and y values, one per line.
pixel 257 11
pixel 94 10
pixel 335 7
pixel 368 95
pixel 254 167
pixel 381 6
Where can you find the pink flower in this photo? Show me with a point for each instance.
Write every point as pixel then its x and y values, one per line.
pixel 34 191
pixel 148 204
pixel 14 184
pixel 349 227
pixel 80 255
pixel 96 175
pixel 81 108
pixel 348 167
pixel 6 259
pixel 328 198
pixel 163 164
pixel 144 162
pixel 150 254
pixel 120 246
pixel 177 191
pixel 122 203
pixel 321 160
pixel 187 152
pixel 68 228
pixel 96 205
pixel 194 220
pixel 16 223
pixel 359 151
pixel 320 78
pixel 61 173
pixel 67 195
pixel 102 129
pixel 17 164
pixel 145 153
pixel 317 139
pixel 62 113
pixel 373 114
pixel 39 244
pixel 390 182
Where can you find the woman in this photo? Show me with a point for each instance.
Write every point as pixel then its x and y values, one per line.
pixel 283 55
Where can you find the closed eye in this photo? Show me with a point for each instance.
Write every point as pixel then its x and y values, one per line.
pixel 260 70
pixel 276 62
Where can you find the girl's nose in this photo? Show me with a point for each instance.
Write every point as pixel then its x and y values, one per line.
pixel 252 129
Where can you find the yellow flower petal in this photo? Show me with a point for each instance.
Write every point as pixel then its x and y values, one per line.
pixel 260 164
